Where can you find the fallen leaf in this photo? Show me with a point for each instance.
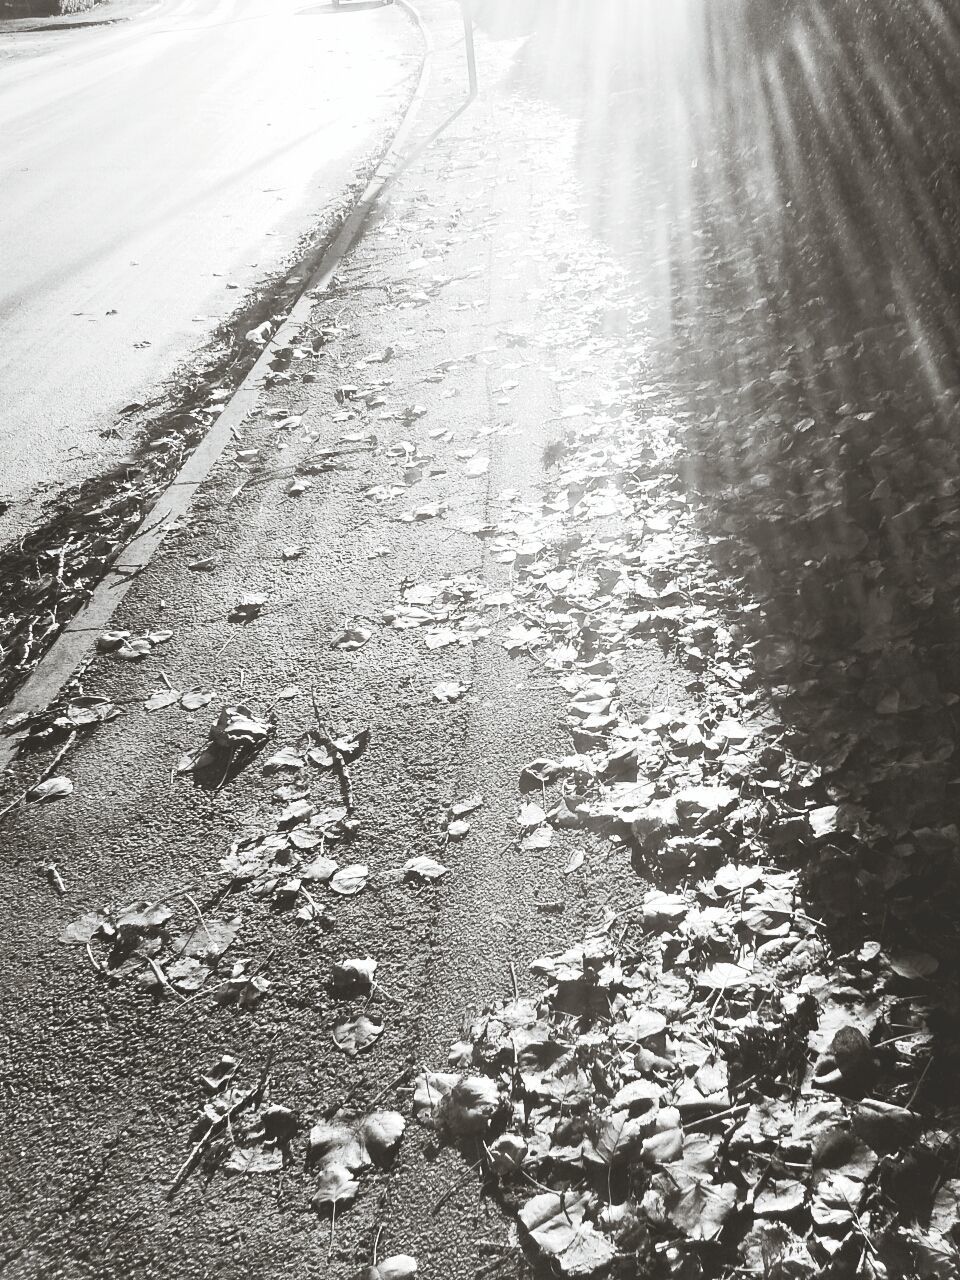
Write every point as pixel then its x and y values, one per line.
pixel 350 880
pixel 320 870
pixel 207 941
pixel 553 1220
pixel 238 726
pixel 255 1160
pixel 724 976
pixel 430 1090
pixel 424 868
pixel 539 838
pixel 400 1267
pixel 353 977
pixel 133 650
pixel 575 863
pixel 351 639
pixel 914 965
pixel 460 808
pixel 381 1133
pixel 449 691
pixel 79 932
pixel 50 790
pixel 196 701
pixel 336 1185
pixel 285 758
pixel 162 698
pixel 470 1105
pixel 587 1253
pixel 248 608
pixel 701 1208
pixel 507 1154
pixel 357 1034
pixel 530 816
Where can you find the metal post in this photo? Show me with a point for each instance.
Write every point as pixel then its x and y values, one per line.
pixel 471 50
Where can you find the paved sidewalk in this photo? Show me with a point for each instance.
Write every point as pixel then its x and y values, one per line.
pixel 415 412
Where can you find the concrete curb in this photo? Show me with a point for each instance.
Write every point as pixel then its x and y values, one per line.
pixel 76 642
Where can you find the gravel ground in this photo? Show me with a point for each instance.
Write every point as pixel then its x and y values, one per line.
pixel 474 247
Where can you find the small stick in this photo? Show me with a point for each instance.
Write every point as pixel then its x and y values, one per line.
pixel 394 1084
pixel 376 1243
pixel 231 756
pixel 448 1195
pixel 97 966
pixel 339 768
pixel 513 979
pixel 43 776
pixel 162 978
pixel 202 923
pixel 923 1076
pixel 221 1122
pixel 55 878
pixel 264 1081
pixel 312 900
pixel 740 1110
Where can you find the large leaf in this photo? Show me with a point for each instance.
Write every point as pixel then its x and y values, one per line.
pixel 587 1252
pixel 553 1220
pixel 357 1034
pixel 700 1208
pixel 381 1133
pixel 335 1186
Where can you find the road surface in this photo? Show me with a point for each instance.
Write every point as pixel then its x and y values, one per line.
pixel 152 171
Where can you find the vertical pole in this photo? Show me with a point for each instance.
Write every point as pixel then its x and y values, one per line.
pixel 471 50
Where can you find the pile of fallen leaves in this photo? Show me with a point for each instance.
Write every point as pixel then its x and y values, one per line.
pixel 734 1081
pixel 649 1115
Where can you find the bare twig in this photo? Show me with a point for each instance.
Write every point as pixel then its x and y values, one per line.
pixel 394 1084
pixel 449 1194
pixel 322 735
pixel 376 1243
pixel 740 1110
pixel 43 776
pixel 218 1125
pixel 923 1076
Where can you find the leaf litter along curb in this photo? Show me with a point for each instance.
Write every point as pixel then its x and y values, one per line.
pixel 720 801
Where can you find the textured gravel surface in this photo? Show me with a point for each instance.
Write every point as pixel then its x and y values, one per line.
pixel 102 1083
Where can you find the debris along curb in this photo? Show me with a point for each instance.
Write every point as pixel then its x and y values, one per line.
pixel 75 642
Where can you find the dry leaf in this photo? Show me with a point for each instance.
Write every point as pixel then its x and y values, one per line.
pixel 50 790
pixel 357 1034
pixel 350 880
pixel 424 868
pixel 351 639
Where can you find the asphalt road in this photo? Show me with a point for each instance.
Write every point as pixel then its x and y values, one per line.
pixel 152 172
